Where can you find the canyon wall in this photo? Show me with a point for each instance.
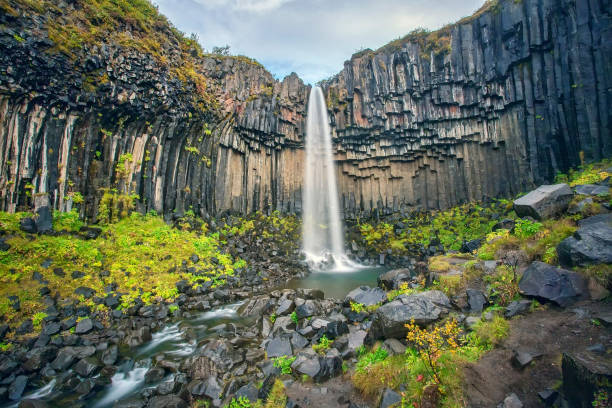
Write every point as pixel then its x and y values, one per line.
pixel 499 103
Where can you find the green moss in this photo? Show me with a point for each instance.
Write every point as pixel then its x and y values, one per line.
pixel 142 254
pixel 489 334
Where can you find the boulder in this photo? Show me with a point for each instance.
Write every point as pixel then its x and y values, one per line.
pixel 511 401
pixel 86 367
pixel 90 232
pixel 390 399
pixel 591 189
pixel 553 284
pixel 471 246
pixel 366 295
pixel 476 300
pixel 215 358
pixel 389 320
pixel 84 326
pixel 307 309
pixel 278 347
pixel 32 403
pixel 591 244
pixel 585 374
pixel 517 307
pixel 393 279
pixel 15 390
pixel 44 218
pixel 544 202
pixel 154 374
pixel 27 225
pixel 248 391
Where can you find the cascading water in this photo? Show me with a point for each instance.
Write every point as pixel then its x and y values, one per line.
pixel 323 243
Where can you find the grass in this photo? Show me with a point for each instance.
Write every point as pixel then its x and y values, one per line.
pixel 142 255
pixel 489 334
pixel 276 399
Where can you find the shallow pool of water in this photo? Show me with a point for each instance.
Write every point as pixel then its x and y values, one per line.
pixel 338 284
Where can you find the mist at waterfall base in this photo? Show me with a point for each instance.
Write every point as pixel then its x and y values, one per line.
pixel 323 242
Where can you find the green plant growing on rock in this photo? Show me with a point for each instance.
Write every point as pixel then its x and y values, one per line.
pixel 323 345
pixel 526 228
pixel 284 363
pixel 366 359
pixel 503 285
pixel 38 318
pixel 294 317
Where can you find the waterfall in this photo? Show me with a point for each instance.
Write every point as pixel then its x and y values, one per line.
pixel 323 242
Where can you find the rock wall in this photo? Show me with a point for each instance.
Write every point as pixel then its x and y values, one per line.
pixel 522 91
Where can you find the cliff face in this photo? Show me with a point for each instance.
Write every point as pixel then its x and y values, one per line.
pixel 499 102
pixel 113 117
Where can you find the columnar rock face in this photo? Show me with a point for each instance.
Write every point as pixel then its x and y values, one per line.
pixel 518 92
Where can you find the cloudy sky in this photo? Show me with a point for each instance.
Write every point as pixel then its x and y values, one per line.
pixel 310 37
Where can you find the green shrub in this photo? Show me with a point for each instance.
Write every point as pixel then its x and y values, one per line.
pixel 323 346
pixel 525 228
pixel 373 357
pixel 490 334
pixel 284 363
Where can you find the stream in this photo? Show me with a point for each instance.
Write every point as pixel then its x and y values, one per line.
pixel 180 339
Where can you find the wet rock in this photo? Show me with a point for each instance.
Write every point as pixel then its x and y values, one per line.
pixel 84 326
pixel 217 357
pixel 38 357
pixel 389 320
pixel 138 337
pixel 476 300
pixel 278 347
pixel 389 399
pixel 557 285
pixel 544 202
pixel 393 279
pixel 15 390
pixel 583 374
pixel 86 367
pixel 154 374
pixel 64 359
pixel 591 244
pixel 366 296
pixel 32 403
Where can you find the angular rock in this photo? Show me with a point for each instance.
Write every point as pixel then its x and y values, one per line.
pixel 86 367
pixel 511 401
pixel 517 307
pixel 476 300
pixel 278 347
pixel 390 399
pixel 84 326
pixel 154 374
pixel 553 284
pixel 167 401
pixel 28 225
pixel 366 296
pixel 591 244
pixel 544 202
pixel 15 390
pixel 591 189
pixel 389 320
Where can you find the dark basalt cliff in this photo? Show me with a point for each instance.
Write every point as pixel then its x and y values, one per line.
pixel 500 102
pixel 485 108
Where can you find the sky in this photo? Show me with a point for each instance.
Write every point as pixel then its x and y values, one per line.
pixel 310 37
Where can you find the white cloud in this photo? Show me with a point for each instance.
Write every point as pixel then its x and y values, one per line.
pixel 310 37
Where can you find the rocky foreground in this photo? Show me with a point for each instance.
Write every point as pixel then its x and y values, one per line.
pixel 528 332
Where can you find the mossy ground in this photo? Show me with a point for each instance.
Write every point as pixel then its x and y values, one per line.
pixel 142 255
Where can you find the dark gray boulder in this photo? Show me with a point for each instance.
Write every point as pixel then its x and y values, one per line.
pixel 470 246
pixel 84 326
pixel 248 391
pixel 591 189
pixel 44 217
pixel 389 320
pixel 476 300
pixel 15 390
pixel 28 225
pixel 167 401
pixel 591 244
pixel 86 367
pixel 278 347
pixel 517 307
pixel 553 284
pixel 390 398
pixel 366 295
pixel 544 202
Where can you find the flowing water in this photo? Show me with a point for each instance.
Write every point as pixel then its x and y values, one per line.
pixel 323 242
